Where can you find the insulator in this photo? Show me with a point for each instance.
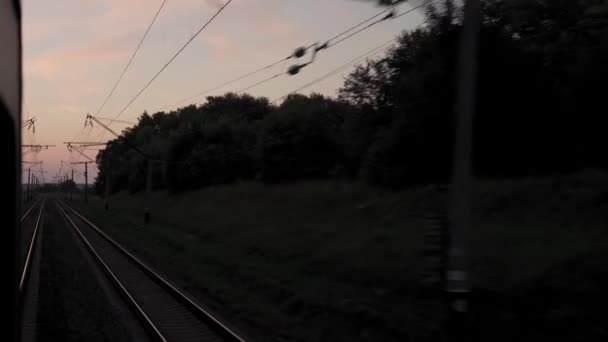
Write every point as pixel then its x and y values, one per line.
pixel 301 51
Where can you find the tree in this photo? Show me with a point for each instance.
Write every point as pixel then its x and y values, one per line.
pixel 298 141
pixel 541 74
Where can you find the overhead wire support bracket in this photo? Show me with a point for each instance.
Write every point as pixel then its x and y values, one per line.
pixel 90 119
pixel 77 149
pixel 301 51
pixel 30 124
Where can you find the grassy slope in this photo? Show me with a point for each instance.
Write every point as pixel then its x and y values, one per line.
pixel 328 261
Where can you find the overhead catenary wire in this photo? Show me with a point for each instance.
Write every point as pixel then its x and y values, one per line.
pixel 177 53
pixel 269 66
pixel 338 69
pixel 413 9
pixel 390 8
pixel 115 120
pixel 357 59
pixel 124 70
pixel 322 78
pixel 261 82
pixel 388 16
pixel 379 21
pixel 234 80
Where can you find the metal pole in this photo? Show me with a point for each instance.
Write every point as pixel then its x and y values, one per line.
pixel 73 186
pixel 458 284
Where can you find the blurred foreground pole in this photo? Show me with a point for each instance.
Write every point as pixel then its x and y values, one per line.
pixel 457 278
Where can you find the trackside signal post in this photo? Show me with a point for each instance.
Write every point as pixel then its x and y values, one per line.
pixel 457 277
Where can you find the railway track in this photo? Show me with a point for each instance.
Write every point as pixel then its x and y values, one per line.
pixel 29 232
pixel 29 211
pixel 166 312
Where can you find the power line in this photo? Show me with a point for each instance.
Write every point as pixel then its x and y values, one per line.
pixel 392 7
pixel 115 120
pixel 172 59
pixel 79 133
pixel 379 21
pixel 132 57
pixel 338 69
pixel 360 30
pixel 413 9
pixel 226 83
pixel 261 82
pixel 350 63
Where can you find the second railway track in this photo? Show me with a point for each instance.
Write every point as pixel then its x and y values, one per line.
pixel 30 226
pixel 166 313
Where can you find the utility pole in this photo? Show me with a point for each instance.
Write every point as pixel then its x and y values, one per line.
pixel 86 178
pixel 89 121
pixel 30 178
pixel 457 277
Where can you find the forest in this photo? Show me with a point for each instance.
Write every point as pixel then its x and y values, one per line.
pixel 540 111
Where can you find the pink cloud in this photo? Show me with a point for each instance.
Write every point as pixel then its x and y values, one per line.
pixel 225 40
pixel 220 45
pixel 136 14
pixel 215 3
pixel 58 63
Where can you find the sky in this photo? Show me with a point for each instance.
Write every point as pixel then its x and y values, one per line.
pixel 74 50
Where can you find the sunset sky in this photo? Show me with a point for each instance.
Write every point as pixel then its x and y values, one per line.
pixel 74 50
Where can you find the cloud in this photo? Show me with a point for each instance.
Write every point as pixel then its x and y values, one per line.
pixel 62 62
pixel 136 14
pixel 251 28
pixel 221 46
pixel 215 3
pixel 71 109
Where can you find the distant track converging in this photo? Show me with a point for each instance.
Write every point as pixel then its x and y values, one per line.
pixel 29 235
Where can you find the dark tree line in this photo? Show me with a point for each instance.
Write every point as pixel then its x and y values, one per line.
pixel 542 72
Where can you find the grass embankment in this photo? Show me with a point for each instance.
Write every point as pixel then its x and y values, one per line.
pixel 323 261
